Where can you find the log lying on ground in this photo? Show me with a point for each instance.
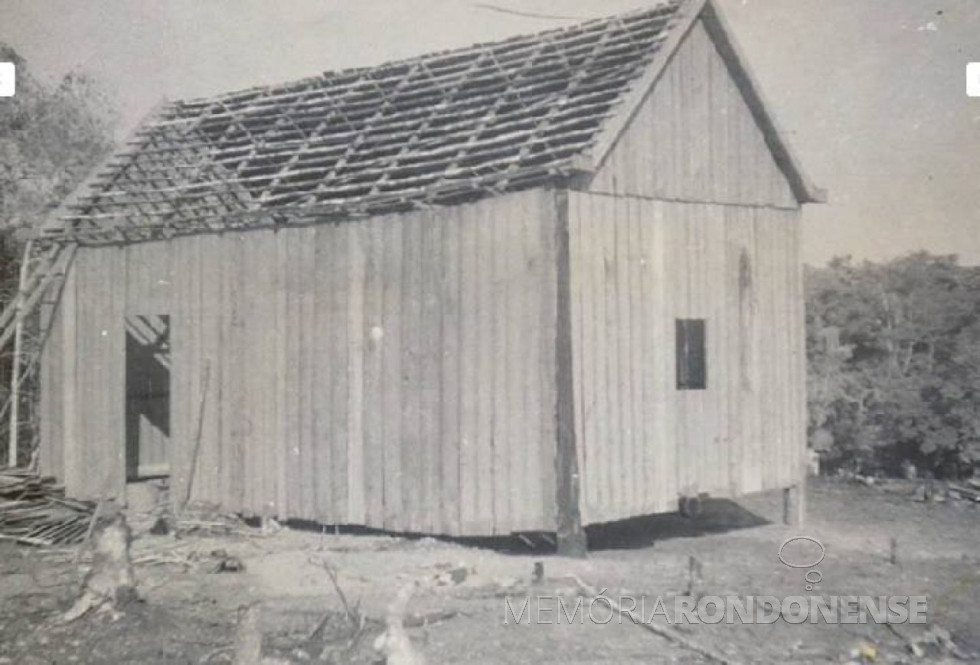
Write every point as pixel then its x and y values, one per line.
pixel 34 511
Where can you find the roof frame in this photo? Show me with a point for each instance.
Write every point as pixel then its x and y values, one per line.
pixel 437 129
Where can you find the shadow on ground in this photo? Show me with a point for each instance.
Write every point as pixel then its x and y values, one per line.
pixel 717 516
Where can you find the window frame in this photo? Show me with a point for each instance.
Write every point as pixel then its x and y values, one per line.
pixel 691 353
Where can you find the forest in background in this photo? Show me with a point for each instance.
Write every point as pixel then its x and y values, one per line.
pixel 893 353
pixel 52 133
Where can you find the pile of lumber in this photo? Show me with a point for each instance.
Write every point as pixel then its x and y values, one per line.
pixel 34 511
pixel 969 492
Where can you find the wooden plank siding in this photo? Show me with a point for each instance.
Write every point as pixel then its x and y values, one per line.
pixel 695 139
pixel 401 372
pixel 395 372
pixel 642 441
pixel 689 217
pixel 88 365
pixel 52 457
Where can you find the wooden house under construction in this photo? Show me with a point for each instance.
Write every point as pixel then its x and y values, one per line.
pixel 522 286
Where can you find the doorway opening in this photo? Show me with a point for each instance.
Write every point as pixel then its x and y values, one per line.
pixel 147 397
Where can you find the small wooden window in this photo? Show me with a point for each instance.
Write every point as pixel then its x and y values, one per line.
pixel 692 367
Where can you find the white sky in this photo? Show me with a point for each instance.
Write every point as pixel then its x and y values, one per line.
pixel 870 92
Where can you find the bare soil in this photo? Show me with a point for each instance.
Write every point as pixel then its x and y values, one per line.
pixel 188 610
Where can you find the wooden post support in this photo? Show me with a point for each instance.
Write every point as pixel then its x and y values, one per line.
pixel 794 504
pixel 794 496
pixel 12 450
pixel 570 535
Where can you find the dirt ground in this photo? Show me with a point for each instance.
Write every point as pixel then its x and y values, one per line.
pixel 189 608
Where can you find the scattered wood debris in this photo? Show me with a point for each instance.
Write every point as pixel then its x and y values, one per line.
pixel 452 575
pixel 207 520
pixel 226 563
pixel 213 561
pixel 971 493
pixel 934 643
pixel 34 511
pixel 923 490
pixel 937 491
pixel 865 652
pixel 428 618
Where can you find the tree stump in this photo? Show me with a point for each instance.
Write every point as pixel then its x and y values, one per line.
pixel 248 638
pixel 109 585
pixel 394 643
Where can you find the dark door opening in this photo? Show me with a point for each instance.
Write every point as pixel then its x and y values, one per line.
pixel 147 396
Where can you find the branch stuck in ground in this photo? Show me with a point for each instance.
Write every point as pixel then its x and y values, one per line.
pixel 353 613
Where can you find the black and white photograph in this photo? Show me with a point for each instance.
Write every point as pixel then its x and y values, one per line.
pixel 418 332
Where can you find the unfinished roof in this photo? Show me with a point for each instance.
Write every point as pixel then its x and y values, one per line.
pixel 436 129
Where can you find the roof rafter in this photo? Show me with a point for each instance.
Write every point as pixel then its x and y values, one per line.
pixel 432 130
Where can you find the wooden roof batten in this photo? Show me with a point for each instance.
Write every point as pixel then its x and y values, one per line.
pixel 438 129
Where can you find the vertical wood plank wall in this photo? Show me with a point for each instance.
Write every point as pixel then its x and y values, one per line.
pixel 395 372
pixel 637 265
pixel 689 217
pixel 695 139
pixel 399 372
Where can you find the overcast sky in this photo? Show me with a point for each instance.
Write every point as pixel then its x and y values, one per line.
pixel 871 93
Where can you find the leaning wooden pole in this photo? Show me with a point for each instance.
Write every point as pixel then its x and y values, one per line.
pixel 12 451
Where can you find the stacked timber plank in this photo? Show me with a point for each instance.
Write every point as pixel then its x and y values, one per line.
pixel 34 511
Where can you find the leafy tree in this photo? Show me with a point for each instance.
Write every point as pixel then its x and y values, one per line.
pixel 894 363
pixel 51 136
